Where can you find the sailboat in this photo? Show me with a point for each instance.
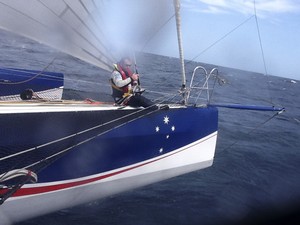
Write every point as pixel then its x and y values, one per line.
pixel 58 154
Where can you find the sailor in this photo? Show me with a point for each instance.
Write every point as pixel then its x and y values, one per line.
pixel 125 85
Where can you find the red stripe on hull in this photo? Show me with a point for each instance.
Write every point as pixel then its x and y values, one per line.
pixel 39 190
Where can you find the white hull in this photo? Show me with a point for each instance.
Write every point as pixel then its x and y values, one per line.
pixel 189 158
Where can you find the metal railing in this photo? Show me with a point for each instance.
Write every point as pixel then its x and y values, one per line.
pixel 202 88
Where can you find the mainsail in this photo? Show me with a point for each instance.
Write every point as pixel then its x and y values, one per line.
pixel 71 26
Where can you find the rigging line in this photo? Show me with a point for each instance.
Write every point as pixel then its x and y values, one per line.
pixel 51 77
pixel 262 49
pixel 213 88
pixel 70 136
pixel 166 99
pixel 24 81
pixel 161 93
pixel 104 25
pixel 45 76
pixel 88 139
pixel 29 71
pixel 259 37
pixel 73 29
pixel 78 133
pixel 91 138
pixel 93 34
pixel 254 129
pixel 220 39
pixel 156 32
pixel 96 23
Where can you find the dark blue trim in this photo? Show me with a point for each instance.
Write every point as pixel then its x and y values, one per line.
pixel 46 80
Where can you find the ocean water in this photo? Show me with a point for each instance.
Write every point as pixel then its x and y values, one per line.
pixel 255 178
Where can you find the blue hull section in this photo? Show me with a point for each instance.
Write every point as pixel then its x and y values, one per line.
pixel 14 81
pixel 82 151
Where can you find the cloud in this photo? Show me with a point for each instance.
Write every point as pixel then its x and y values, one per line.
pixel 264 8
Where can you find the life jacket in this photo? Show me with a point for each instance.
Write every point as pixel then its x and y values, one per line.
pixel 118 92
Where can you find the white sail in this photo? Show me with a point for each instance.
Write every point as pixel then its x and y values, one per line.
pixel 71 26
pixel 92 30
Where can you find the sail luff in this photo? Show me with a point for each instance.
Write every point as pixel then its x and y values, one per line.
pixel 179 37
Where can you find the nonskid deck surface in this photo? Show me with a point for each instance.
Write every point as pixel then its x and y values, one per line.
pixel 54 94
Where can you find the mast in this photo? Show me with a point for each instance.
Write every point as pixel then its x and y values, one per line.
pixel 179 37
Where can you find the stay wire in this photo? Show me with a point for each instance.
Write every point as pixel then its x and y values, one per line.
pixel 77 133
pixel 259 37
pixel 77 144
pixel 262 50
pixel 89 139
pixel 156 32
pixel 220 39
pixel 73 135
pixel 253 129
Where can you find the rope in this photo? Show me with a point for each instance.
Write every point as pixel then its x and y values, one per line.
pixel 79 133
pixel 24 81
pixel 39 165
pixel 51 77
pixel 254 129
pixel 93 137
pixel 45 76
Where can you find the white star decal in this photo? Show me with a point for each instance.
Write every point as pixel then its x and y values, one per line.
pixel 166 120
pixel 157 129
pixel 164 132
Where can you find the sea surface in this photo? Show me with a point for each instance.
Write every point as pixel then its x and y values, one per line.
pixel 255 177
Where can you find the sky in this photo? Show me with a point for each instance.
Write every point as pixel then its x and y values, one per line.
pixel 229 33
pixel 278 23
